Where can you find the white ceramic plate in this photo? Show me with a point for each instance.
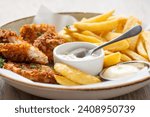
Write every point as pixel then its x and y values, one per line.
pixel 102 90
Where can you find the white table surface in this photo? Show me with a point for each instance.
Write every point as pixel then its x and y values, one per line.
pixel 14 9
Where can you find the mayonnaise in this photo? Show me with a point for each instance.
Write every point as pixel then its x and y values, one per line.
pixel 120 70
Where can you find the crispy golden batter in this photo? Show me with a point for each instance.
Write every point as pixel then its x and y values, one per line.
pixel 47 42
pixel 42 36
pixel 30 32
pixel 23 52
pixel 7 36
pixel 35 72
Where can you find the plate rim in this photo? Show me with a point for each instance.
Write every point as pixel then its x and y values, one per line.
pixel 75 88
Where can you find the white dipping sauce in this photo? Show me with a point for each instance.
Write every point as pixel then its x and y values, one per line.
pixel 120 70
pixel 72 55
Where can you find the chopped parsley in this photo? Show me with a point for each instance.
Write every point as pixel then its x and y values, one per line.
pixel 39 34
pixel 1 62
pixel 32 66
pixel 22 67
pixel 68 26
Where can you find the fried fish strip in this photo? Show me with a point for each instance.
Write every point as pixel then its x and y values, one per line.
pixel 23 52
pixel 47 42
pixel 35 72
pixel 30 32
pixel 7 36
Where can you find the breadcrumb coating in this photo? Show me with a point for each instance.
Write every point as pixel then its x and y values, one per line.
pixel 34 72
pixel 47 42
pixel 8 36
pixel 30 32
pixel 23 52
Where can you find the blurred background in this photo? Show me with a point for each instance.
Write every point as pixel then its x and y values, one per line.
pixel 14 9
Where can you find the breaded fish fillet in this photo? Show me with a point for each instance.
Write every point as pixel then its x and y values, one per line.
pixel 7 36
pixel 23 52
pixel 35 72
pixel 30 32
pixel 16 49
pixel 47 42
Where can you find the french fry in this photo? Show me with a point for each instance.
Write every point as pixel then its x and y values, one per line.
pixel 118 46
pixel 146 37
pixel 141 49
pixel 85 38
pixel 98 27
pixel 99 18
pixel 107 52
pixel 83 19
pixel 64 81
pixel 125 58
pixel 116 17
pixel 112 17
pixel 112 59
pixel 102 34
pixel 70 29
pixel 97 43
pixel 75 75
pixel 133 42
pixel 122 22
pixel 89 33
pixel 134 55
pixel 111 35
pixel 132 21
pixel 60 33
pixel 66 36
pixel 120 27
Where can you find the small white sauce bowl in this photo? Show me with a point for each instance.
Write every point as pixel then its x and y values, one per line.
pixel 91 66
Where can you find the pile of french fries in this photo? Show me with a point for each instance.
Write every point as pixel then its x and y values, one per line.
pixel 98 30
pixel 102 28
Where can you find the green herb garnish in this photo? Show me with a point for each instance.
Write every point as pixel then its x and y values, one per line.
pixel 39 34
pixel 22 67
pixel 68 26
pixel 32 66
pixel 1 62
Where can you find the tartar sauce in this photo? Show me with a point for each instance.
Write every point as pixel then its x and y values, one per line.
pixel 71 55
